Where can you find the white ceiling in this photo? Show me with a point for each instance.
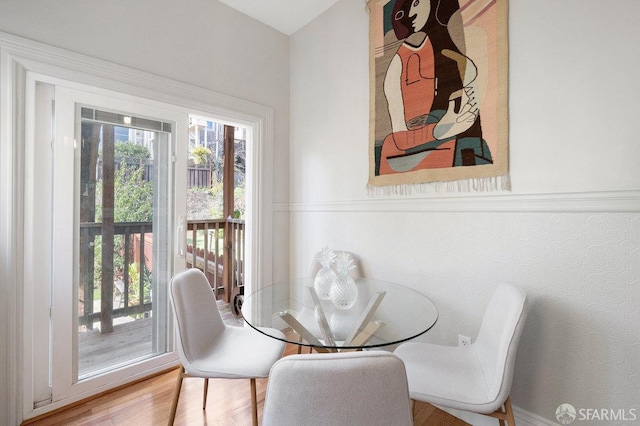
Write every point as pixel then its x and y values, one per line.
pixel 286 16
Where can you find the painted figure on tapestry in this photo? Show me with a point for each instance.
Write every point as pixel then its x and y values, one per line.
pixel 433 90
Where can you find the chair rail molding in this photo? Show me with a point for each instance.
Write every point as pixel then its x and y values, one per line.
pixel 623 201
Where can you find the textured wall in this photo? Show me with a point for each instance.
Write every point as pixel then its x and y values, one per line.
pixel 583 333
pixel 560 234
pixel 580 271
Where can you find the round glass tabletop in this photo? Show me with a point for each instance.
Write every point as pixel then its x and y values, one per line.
pixel 380 314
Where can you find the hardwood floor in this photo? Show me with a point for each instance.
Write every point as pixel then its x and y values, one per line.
pixel 149 402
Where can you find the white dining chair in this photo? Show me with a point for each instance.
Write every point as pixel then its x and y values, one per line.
pixel 344 388
pixel 476 378
pixel 208 348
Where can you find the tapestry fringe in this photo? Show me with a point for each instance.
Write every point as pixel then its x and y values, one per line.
pixel 494 183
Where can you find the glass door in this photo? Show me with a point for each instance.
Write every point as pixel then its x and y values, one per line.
pixel 216 205
pixel 105 225
pixel 123 263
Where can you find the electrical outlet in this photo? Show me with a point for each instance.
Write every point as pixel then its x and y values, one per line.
pixel 464 340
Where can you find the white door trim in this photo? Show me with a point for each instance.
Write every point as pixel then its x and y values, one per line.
pixel 18 57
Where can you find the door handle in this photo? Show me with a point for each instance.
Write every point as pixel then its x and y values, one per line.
pixel 180 236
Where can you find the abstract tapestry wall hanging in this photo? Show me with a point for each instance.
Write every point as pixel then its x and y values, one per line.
pixel 438 92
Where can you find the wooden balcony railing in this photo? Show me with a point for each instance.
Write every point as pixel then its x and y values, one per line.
pixel 133 233
pixel 128 283
pixel 210 242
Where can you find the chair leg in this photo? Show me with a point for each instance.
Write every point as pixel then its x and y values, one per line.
pixel 299 345
pixel 505 414
pixel 254 403
pixel 174 404
pixel 509 412
pixel 204 397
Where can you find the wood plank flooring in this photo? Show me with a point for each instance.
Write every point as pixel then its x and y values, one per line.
pixel 229 403
pixel 128 341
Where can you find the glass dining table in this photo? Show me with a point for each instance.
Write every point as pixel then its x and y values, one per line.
pixel 383 314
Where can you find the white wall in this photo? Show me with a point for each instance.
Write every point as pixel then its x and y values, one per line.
pixel 204 44
pixel 568 233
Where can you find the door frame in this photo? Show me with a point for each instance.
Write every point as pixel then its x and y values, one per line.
pixel 18 58
pixel 64 343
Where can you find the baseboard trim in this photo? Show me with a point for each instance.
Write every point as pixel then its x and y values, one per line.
pixel 526 418
pixel 523 418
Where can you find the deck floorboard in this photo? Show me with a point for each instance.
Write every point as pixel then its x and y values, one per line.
pixel 128 341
